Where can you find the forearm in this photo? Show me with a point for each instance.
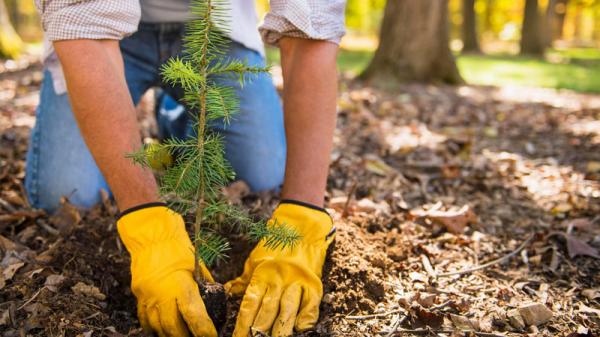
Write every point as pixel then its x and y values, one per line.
pixel 309 100
pixel 106 116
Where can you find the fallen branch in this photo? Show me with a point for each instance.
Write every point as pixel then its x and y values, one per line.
pixel 491 263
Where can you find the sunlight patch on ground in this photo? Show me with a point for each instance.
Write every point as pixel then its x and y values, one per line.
pixel 552 186
pixel 556 98
pixel 585 127
pixel 405 138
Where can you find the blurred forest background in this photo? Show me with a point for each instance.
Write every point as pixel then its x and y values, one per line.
pixel 542 43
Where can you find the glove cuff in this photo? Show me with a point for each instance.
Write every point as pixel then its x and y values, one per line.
pixel 310 221
pixel 146 225
pixel 140 207
pixel 303 204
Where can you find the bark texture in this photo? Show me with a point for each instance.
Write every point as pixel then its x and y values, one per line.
pixel 413 45
pixel 469 27
pixel 532 34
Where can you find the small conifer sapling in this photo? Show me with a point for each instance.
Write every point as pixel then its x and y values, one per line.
pixel 194 181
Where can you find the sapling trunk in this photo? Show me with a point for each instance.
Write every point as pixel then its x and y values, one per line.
pixel 200 197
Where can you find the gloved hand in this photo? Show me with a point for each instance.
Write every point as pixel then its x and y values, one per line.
pixel 162 265
pixel 283 287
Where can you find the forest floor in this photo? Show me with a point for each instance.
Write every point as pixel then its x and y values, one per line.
pixel 426 184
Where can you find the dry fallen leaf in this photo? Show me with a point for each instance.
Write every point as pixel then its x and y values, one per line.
pixel 577 247
pixel 9 272
pixel 463 323
pixel 535 313
pixel 515 319
pixel 66 217
pixel 591 294
pixel 54 281
pixel 583 224
pixel 454 221
pixel 424 317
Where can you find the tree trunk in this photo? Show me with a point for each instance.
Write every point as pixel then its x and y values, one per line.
pixel 555 20
pixel 469 27
pixel 487 19
pixel 413 45
pixel 549 18
pixel 578 29
pixel 532 37
pixel 10 42
pixel 561 13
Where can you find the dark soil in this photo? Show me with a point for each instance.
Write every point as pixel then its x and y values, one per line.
pixel 214 298
pixel 524 162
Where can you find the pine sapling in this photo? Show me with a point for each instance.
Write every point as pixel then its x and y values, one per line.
pixel 193 183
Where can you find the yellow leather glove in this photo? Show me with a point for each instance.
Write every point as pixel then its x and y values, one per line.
pixel 162 265
pixel 283 287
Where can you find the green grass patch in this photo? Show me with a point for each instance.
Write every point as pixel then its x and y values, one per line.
pixel 567 72
pixel 576 69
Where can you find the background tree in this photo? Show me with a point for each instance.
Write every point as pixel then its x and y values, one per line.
pixel 555 19
pixel 532 37
pixel 413 45
pixel 469 27
pixel 10 42
pixel 487 16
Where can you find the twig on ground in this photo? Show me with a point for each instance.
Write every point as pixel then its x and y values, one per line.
pixel 383 314
pixel 432 331
pixel 396 325
pixel 32 298
pixel 491 263
pixel 427 265
pixel 91 316
pixel 441 306
pixel 350 195
pixel 7 205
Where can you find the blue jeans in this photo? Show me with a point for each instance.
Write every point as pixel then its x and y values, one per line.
pixel 60 164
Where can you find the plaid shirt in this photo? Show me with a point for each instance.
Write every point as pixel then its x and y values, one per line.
pixel 115 19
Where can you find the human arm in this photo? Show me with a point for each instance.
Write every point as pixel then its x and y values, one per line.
pixel 309 100
pixel 169 302
pixel 106 117
pixel 282 288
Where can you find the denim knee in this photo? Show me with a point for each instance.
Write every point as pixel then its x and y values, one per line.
pixel 58 160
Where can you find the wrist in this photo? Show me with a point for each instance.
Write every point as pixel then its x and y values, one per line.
pixel 150 224
pixel 303 204
pixel 140 207
pixel 312 222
